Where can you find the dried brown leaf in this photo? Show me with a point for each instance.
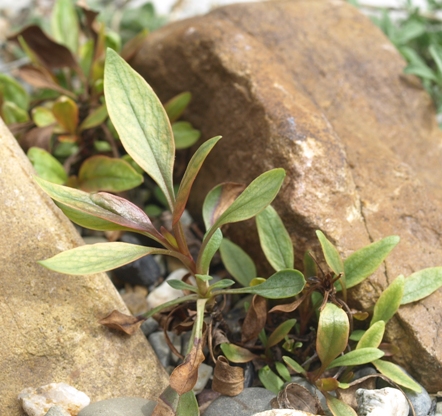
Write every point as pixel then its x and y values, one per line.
pixel 126 323
pixel 37 137
pixel 50 53
pixel 295 396
pixel 288 307
pixel 348 396
pixel 227 380
pixel 185 376
pixel 218 337
pixel 255 319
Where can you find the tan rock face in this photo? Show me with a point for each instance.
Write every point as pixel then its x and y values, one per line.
pixel 48 321
pixel 313 87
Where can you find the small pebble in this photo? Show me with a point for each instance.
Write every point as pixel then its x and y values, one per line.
pixel 247 403
pixel 438 409
pixel 149 326
pixel 37 402
pixel 387 401
pixel 120 406
pixel 284 412
pixel 204 373
pixel 158 342
pixel 57 411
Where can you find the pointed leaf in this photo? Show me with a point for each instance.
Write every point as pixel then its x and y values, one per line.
pixel 209 251
pixel 436 53
pixel 12 113
pixel 180 285
pixel 357 357
pixel 338 407
pixel 422 284
pixel 283 372
pixel 396 374
pixel 366 261
pixel 372 337
pixel 294 365
pixel 270 380
pixel 105 206
pixel 121 322
pixel 11 90
pixel 65 111
pixel 133 45
pixel 236 354
pixel 237 262
pixel 255 319
pixel 95 118
pixel 190 174
pixel 95 258
pixel 280 332
pixel 64 24
pixel 222 284
pixel 141 122
pixel 283 284
pixel 421 70
pixel 184 134
pixel 187 405
pixel 333 330
pixel 389 301
pixel 331 254
pixel 102 173
pixel 46 166
pixel 176 106
pixel 275 240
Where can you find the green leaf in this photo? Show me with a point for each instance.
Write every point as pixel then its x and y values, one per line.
pixel 396 374
pixel 411 29
pixel 222 284
pixel 236 354
pixel 204 277
pixel 119 213
pixel 253 199
pixel 280 332
pixel 310 268
pixel 365 262
pixel 421 284
pixel 180 285
pixel 43 116
pixel 338 407
pixel 331 254
pixel 46 166
pixel 64 24
pixel 12 113
pixel 209 251
pixel 141 122
pixel 95 118
pixel 95 258
pixel 190 174
pixel 283 372
pixel 422 70
pixel 187 405
pixel 184 134
pixel 176 106
pixel 275 240
pixel 283 284
pixel 436 53
pixel 102 173
pixel 372 337
pixel 237 262
pixel 270 380
pixel 11 90
pixel 389 301
pixel 294 365
pixel 65 111
pixel 332 337
pixel 357 334
pixel 357 357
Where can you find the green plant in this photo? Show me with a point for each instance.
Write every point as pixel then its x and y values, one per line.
pixel 145 131
pixel 65 123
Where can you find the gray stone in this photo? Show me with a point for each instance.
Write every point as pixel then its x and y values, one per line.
pixel 204 373
pixel 120 406
pixel 57 411
pixel 49 320
pixel 159 345
pixel 247 403
pixel 149 326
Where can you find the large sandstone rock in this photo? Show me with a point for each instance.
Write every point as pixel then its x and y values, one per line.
pixel 48 321
pixel 314 87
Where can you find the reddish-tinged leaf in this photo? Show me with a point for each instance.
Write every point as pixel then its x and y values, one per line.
pixel 280 332
pixel 255 319
pixel 65 110
pixel 126 323
pixel 227 380
pixel 327 384
pixel 39 77
pixel 192 170
pixel 50 53
pixel 185 376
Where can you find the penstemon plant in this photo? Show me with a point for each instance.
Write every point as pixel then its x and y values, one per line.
pixel 145 132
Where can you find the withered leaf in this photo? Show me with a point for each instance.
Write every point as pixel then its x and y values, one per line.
pixel 38 137
pixel 167 403
pixel 185 376
pixel 126 323
pixel 288 307
pixel 348 396
pixel 218 337
pixel 255 319
pixel 295 396
pixel 227 380
pixel 50 53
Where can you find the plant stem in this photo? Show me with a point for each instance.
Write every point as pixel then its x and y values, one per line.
pixel 173 302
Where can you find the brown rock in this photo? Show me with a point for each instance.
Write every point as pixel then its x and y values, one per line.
pixel 313 87
pixel 48 320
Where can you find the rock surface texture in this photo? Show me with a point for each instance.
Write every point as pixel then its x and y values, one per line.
pixel 49 321
pixel 314 87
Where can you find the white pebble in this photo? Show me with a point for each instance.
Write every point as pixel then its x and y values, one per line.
pixel 382 402
pixel 164 293
pixel 37 402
